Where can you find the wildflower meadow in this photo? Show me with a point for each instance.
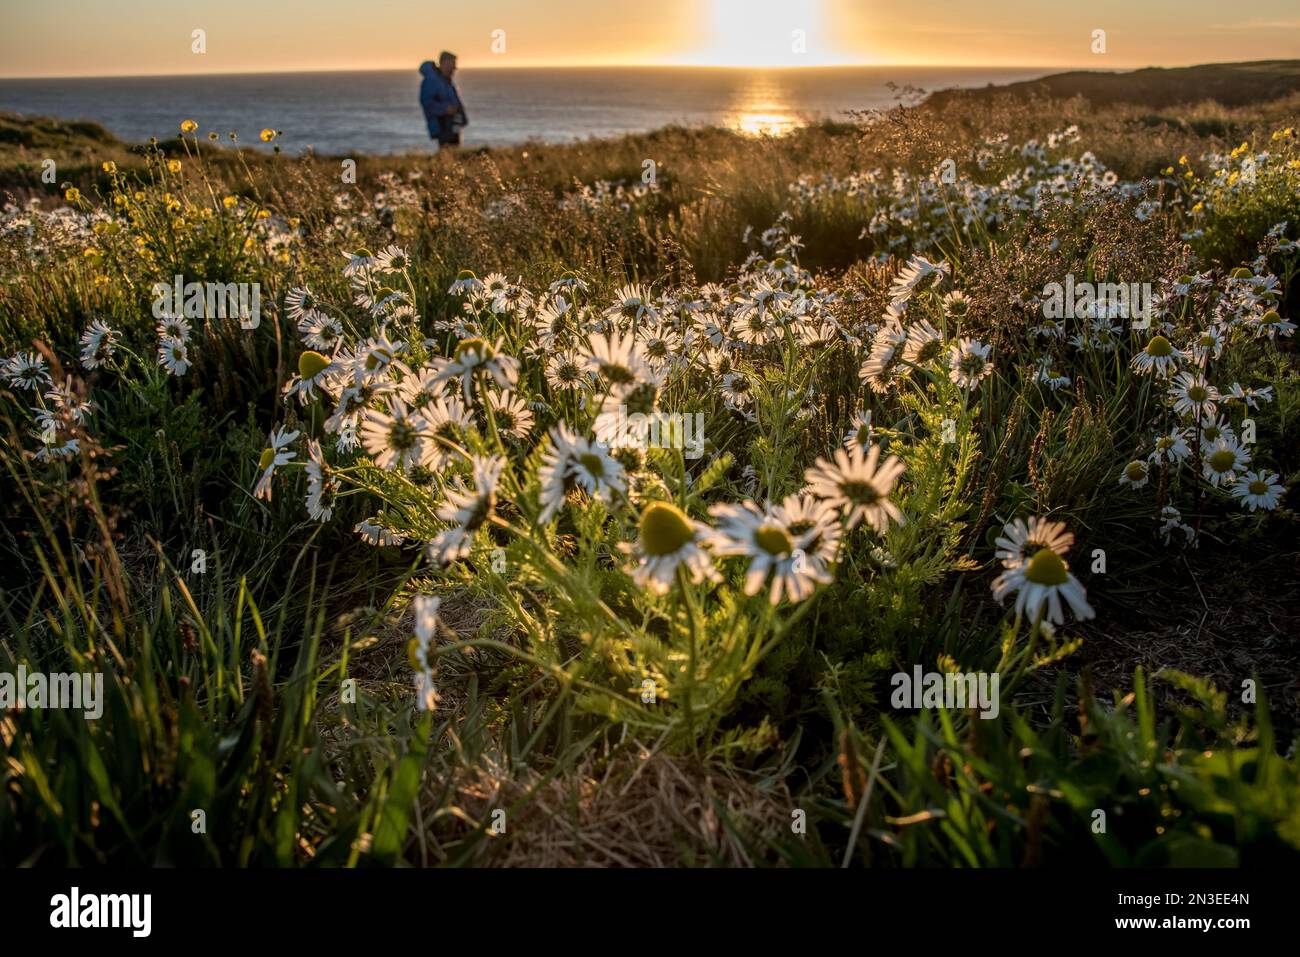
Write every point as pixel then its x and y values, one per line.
pixel 910 491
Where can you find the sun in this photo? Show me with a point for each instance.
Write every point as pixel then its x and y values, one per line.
pixel 759 33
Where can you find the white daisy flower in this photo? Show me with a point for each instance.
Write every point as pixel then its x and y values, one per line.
pixel 298 302
pixel 924 343
pixel 854 484
pixel 1261 489
pixel 1021 540
pixel 859 433
pixel 51 448
pixel 553 475
pixel 322 486
pixel 1136 474
pixel 566 371
pixel 1192 396
pixel 511 413
pixel 467 509
pixel 376 358
pixel 592 468
pixel 1272 324
pixel 763 536
pixel 466 282
pixel 98 343
pixel 1039 583
pixel 1207 345
pixel 173 355
pixel 816 528
pixel 1214 428
pixel 1158 356
pixel 669 539
pixel 26 370
pixel 475 355
pixel 1171 447
pixel 1049 376
pixel 575 462
pixel 619 362
pixel 631 306
pixel 320 332
pixel 1223 460
pixel 396 438
pixel 919 273
pixel 392 259
pixel 447 420
pixel 955 304
pixel 970 363
pixel 358 267
pixel 372 533
pixel 423 387
pixel 425 608
pixel 1251 397
pixel 69 402
pixel 174 327
pixel 877 371
pixel 273 456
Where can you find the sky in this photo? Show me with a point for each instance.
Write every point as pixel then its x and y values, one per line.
pixel 142 37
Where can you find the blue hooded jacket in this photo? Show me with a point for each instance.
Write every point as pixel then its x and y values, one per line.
pixel 436 94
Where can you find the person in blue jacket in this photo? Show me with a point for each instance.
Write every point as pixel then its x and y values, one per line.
pixel 443 110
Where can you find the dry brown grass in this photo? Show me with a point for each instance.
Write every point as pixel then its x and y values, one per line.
pixel 633 808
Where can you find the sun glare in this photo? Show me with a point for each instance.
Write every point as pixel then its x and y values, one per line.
pixel 765 33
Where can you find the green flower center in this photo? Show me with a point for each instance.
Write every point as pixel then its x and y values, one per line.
pixel 774 540
pixel 465 274
pixel 1223 460
pixel 593 464
pixel 617 374
pixel 1197 393
pixel 1136 471
pixel 401 436
pixel 311 364
pixel 1047 568
pixel 1271 318
pixel 929 351
pixel 1241 272
pixel 861 493
pixel 1159 347
pixel 664 529
pixel 268 456
pixel 476 346
pixel 1257 487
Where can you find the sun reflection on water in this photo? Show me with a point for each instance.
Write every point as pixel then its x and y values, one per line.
pixel 762 109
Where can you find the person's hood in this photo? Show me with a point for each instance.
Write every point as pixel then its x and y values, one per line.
pixel 428 68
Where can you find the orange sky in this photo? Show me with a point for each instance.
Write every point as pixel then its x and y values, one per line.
pixel 93 37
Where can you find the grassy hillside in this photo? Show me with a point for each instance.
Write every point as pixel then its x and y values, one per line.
pixel 370 582
pixel 1229 84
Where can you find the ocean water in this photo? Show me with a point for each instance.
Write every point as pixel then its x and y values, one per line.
pixel 378 111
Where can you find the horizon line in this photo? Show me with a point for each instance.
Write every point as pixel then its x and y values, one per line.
pixel 1056 68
